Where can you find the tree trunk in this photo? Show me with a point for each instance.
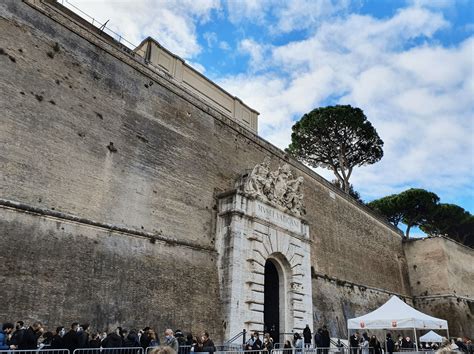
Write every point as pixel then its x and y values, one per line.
pixel 407 233
pixel 347 186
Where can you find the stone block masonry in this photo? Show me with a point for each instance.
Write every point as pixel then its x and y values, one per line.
pixel 88 129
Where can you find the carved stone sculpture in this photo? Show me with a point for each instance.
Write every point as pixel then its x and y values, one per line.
pixel 257 180
pixel 275 187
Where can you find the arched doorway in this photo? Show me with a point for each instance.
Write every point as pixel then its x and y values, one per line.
pixel 271 307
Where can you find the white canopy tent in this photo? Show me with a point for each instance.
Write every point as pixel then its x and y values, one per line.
pixel 396 315
pixel 431 337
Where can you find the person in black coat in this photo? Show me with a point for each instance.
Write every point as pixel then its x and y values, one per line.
pixel 207 345
pixel 83 335
pixel 390 344
pixel 145 338
pixel 132 340
pixel 71 339
pixel 95 341
pixel 20 329
pixel 354 342
pixel 318 343
pixel 257 343
pixel 57 340
pixel 113 340
pixel 325 338
pixel 307 336
pixel 30 337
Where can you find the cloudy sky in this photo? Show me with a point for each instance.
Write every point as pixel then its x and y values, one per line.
pixel 407 64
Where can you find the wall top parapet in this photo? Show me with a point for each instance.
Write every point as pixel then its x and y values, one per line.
pixel 188 77
pixel 438 237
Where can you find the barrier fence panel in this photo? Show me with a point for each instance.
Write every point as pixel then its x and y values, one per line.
pixel 333 350
pixel 311 351
pixel 134 350
pixel 35 351
pixel 183 349
pixel 232 347
pixel 242 352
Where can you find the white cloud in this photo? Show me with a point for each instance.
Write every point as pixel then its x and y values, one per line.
pixel 417 93
pixel 303 14
pixel 258 53
pixel 224 45
pixel 247 10
pixel 211 38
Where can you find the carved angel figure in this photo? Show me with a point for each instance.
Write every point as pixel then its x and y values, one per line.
pixel 258 178
pixel 280 180
pixel 294 196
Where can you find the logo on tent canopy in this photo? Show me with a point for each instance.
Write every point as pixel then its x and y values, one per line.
pixel 394 323
pixel 362 324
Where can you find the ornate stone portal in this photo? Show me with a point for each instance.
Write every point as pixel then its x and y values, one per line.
pixel 261 221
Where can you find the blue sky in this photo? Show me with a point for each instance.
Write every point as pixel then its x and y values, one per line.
pixel 408 64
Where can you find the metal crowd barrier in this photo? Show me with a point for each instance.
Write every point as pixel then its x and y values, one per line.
pixel 232 347
pixel 183 349
pixel 332 350
pixel 130 350
pixel 35 351
pixel 241 351
pixel 311 351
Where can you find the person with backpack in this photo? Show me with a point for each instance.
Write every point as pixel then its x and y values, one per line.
pixel 6 331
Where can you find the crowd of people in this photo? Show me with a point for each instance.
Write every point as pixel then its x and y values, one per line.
pixel 365 345
pixel 21 337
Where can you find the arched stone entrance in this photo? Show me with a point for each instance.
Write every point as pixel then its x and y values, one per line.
pixel 249 233
pixel 275 305
pixel 271 301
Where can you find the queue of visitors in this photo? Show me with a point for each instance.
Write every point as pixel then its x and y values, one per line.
pixel 20 337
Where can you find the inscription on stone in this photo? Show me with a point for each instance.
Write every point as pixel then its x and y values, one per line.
pixel 277 217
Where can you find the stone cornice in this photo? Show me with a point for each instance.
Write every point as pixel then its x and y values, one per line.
pixel 153 237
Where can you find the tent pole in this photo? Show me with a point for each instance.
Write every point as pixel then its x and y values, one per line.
pixel 348 340
pixel 385 339
pixel 416 339
pixel 447 333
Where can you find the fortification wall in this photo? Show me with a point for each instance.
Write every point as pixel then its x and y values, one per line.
pixel 64 106
pixel 441 274
pixel 62 271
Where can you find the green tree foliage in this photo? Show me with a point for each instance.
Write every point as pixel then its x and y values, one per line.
pixel 413 207
pixel 417 205
pixel 388 206
pixel 338 138
pixel 453 221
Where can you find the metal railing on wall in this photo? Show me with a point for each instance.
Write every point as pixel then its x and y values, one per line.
pixel 101 26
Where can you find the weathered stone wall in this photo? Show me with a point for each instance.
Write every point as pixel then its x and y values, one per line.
pixel 441 274
pixel 61 271
pixel 336 302
pixel 459 312
pixel 62 106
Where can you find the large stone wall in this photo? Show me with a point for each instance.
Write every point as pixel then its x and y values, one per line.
pixel 63 106
pixel 62 271
pixel 441 274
